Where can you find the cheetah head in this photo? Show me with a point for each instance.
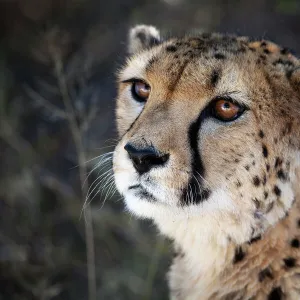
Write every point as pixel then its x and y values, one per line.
pixel 209 130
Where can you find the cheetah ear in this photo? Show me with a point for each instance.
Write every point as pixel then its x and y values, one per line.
pixel 142 37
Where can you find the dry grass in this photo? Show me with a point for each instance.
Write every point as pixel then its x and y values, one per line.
pixel 48 251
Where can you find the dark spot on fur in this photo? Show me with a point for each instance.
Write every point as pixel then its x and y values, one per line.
pixel 219 56
pixel 266 194
pixel 276 294
pixel 238 184
pixel 290 262
pixel 256 181
pixel 278 162
pixel 152 62
pixel 268 167
pixel 295 243
pixel 171 48
pixel 283 112
pixel 270 207
pixel 247 167
pixel 267 51
pixel 263 44
pixel 236 160
pixel 214 78
pixel 277 190
pixel 281 175
pixel 261 134
pixel 265 151
pixel 298 223
pixel 239 255
pixel 285 62
pixel 266 273
pixel 278 61
pixel 252 49
pixel 255 239
pixel 256 203
pixel 263 57
pixel 264 179
pixel 253 163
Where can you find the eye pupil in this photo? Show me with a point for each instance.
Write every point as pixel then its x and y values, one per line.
pixel 226 105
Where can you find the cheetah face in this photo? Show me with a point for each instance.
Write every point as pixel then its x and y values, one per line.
pixel 209 129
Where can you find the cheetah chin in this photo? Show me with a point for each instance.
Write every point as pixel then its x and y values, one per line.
pixel 209 149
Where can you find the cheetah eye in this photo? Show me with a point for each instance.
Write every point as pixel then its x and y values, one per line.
pixel 140 91
pixel 226 110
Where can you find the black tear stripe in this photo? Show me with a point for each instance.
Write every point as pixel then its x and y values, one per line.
pixel 191 194
pixel 214 78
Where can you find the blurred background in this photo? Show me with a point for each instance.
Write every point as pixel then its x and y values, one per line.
pixel 58 60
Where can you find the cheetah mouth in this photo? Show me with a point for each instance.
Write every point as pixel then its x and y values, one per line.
pixel 141 192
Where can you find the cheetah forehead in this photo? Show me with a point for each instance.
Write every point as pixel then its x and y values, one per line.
pixel 150 53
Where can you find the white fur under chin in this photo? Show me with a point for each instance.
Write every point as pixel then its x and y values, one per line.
pixel 201 231
pixel 213 220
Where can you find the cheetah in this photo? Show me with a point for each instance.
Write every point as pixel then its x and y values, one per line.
pixel 209 149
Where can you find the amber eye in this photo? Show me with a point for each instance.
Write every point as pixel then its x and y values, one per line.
pixel 226 110
pixel 140 91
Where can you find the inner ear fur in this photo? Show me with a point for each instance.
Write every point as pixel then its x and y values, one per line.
pixel 142 37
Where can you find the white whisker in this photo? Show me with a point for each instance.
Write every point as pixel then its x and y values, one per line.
pixel 103 160
pixel 101 181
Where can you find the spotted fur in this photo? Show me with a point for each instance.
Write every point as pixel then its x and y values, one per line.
pixel 229 193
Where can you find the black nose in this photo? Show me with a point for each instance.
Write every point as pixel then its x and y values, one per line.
pixel 145 158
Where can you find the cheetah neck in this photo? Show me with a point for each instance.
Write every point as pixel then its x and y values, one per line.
pixel 209 263
pixel 202 253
